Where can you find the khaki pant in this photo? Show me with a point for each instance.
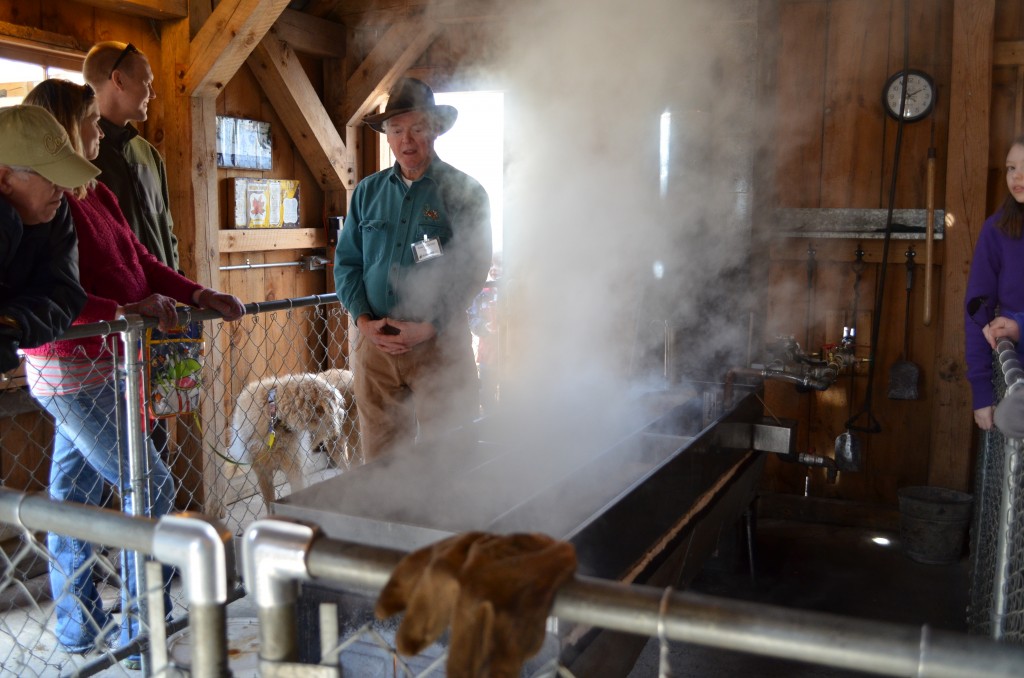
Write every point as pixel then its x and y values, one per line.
pixel 434 386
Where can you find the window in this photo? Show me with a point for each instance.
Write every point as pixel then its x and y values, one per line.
pixel 17 78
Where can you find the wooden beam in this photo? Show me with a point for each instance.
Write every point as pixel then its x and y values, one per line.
pixel 1009 53
pixel 311 35
pixel 970 94
pixel 28 43
pixel 263 239
pixel 295 101
pixel 224 42
pixel 392 56
pixel 150 9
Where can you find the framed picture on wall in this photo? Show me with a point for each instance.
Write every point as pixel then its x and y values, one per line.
pixel 242 143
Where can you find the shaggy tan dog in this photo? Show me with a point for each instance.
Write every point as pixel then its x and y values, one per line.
pixel 352 454
pixel 279 422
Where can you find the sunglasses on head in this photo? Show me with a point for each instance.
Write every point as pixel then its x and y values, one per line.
pixel 128 49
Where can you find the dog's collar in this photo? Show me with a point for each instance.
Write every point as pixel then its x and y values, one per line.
pixel 272 411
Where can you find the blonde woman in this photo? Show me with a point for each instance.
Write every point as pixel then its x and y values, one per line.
pixel 74 380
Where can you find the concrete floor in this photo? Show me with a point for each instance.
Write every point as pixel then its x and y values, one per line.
pixel 823 568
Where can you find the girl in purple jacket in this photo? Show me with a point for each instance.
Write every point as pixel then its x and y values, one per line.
pixel 995 285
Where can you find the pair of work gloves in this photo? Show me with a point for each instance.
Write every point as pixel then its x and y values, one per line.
pixel 495 590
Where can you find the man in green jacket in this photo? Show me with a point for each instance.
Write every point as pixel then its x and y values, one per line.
pixel 131 167
pixel 412 256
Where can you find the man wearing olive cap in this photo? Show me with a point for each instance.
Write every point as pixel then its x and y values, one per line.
pixel 413 254
pixel 39 290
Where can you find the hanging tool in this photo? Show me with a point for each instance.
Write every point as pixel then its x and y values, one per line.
pixel 904 375
pixel 929 216
pixel 812 269
pixel 870 423
pixel 847 446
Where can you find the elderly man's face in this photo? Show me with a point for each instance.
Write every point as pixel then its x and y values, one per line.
pixel 411 138
pixel 34 197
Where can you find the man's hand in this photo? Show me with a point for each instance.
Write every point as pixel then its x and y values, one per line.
pixel 164 309
pixel 999 328
pixel 395 337
pixel 229 306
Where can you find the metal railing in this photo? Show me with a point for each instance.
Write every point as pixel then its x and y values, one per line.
pixel 997 542
pixel 197 546
pixel 278 555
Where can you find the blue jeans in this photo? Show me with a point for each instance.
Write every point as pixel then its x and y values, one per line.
pixel 88 449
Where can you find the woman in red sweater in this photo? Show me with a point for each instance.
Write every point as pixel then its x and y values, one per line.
pixel 76 380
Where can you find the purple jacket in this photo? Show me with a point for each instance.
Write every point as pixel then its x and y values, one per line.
pixel 997 273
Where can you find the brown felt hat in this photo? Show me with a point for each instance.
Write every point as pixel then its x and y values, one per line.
pixel 410 94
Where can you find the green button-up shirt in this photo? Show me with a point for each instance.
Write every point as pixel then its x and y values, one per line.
pixel 374 268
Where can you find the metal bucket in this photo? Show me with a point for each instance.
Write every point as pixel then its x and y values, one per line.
pixel 933 523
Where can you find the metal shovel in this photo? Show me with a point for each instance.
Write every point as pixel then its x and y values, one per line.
pixel 903 374
pixel 848 452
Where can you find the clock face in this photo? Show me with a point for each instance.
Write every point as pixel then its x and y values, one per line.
pixel 920 96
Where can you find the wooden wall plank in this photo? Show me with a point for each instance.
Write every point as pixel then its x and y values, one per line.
pixel 925 29
pixel 800 77
pixel 970 93
pixel 851 169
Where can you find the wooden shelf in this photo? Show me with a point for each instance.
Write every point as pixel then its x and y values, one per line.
pixel 263 239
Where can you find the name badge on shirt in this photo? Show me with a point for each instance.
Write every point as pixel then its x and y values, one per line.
pixel 426 249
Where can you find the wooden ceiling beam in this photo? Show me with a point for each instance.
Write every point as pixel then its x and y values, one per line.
pixel 151 9
pixel 311 35
pixel 295 101
pixel 392 56
pixel 224 43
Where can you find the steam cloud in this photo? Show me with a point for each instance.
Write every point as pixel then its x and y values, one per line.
pixel 594 202
pixel 590 210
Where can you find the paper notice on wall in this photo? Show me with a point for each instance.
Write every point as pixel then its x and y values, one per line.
pixel 265 203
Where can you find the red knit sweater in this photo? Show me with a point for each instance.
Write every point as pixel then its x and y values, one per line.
pixel 115 269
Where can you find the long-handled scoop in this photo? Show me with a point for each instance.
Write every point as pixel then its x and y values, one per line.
pixel 904 375
pixel 848 452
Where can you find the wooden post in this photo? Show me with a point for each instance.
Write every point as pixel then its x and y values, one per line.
pixel 966 178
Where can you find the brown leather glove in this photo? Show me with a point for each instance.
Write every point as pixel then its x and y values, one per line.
pixel 496 591
pixel 425 585
pixel 507 586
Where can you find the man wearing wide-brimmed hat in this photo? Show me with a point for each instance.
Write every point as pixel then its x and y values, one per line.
pixel 39 290
pixel 413 254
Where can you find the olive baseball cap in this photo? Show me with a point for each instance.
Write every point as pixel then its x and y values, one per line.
pixel 31 137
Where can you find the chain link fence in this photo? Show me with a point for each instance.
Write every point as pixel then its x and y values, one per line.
pixel 196 549
pixel 996 603
pixel 262 403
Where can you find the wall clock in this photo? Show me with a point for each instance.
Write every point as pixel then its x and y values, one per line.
pixel 920 95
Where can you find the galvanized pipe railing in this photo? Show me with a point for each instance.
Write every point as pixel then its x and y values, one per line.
pixel 857 644
pixel 1013 374
pixel 196 545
